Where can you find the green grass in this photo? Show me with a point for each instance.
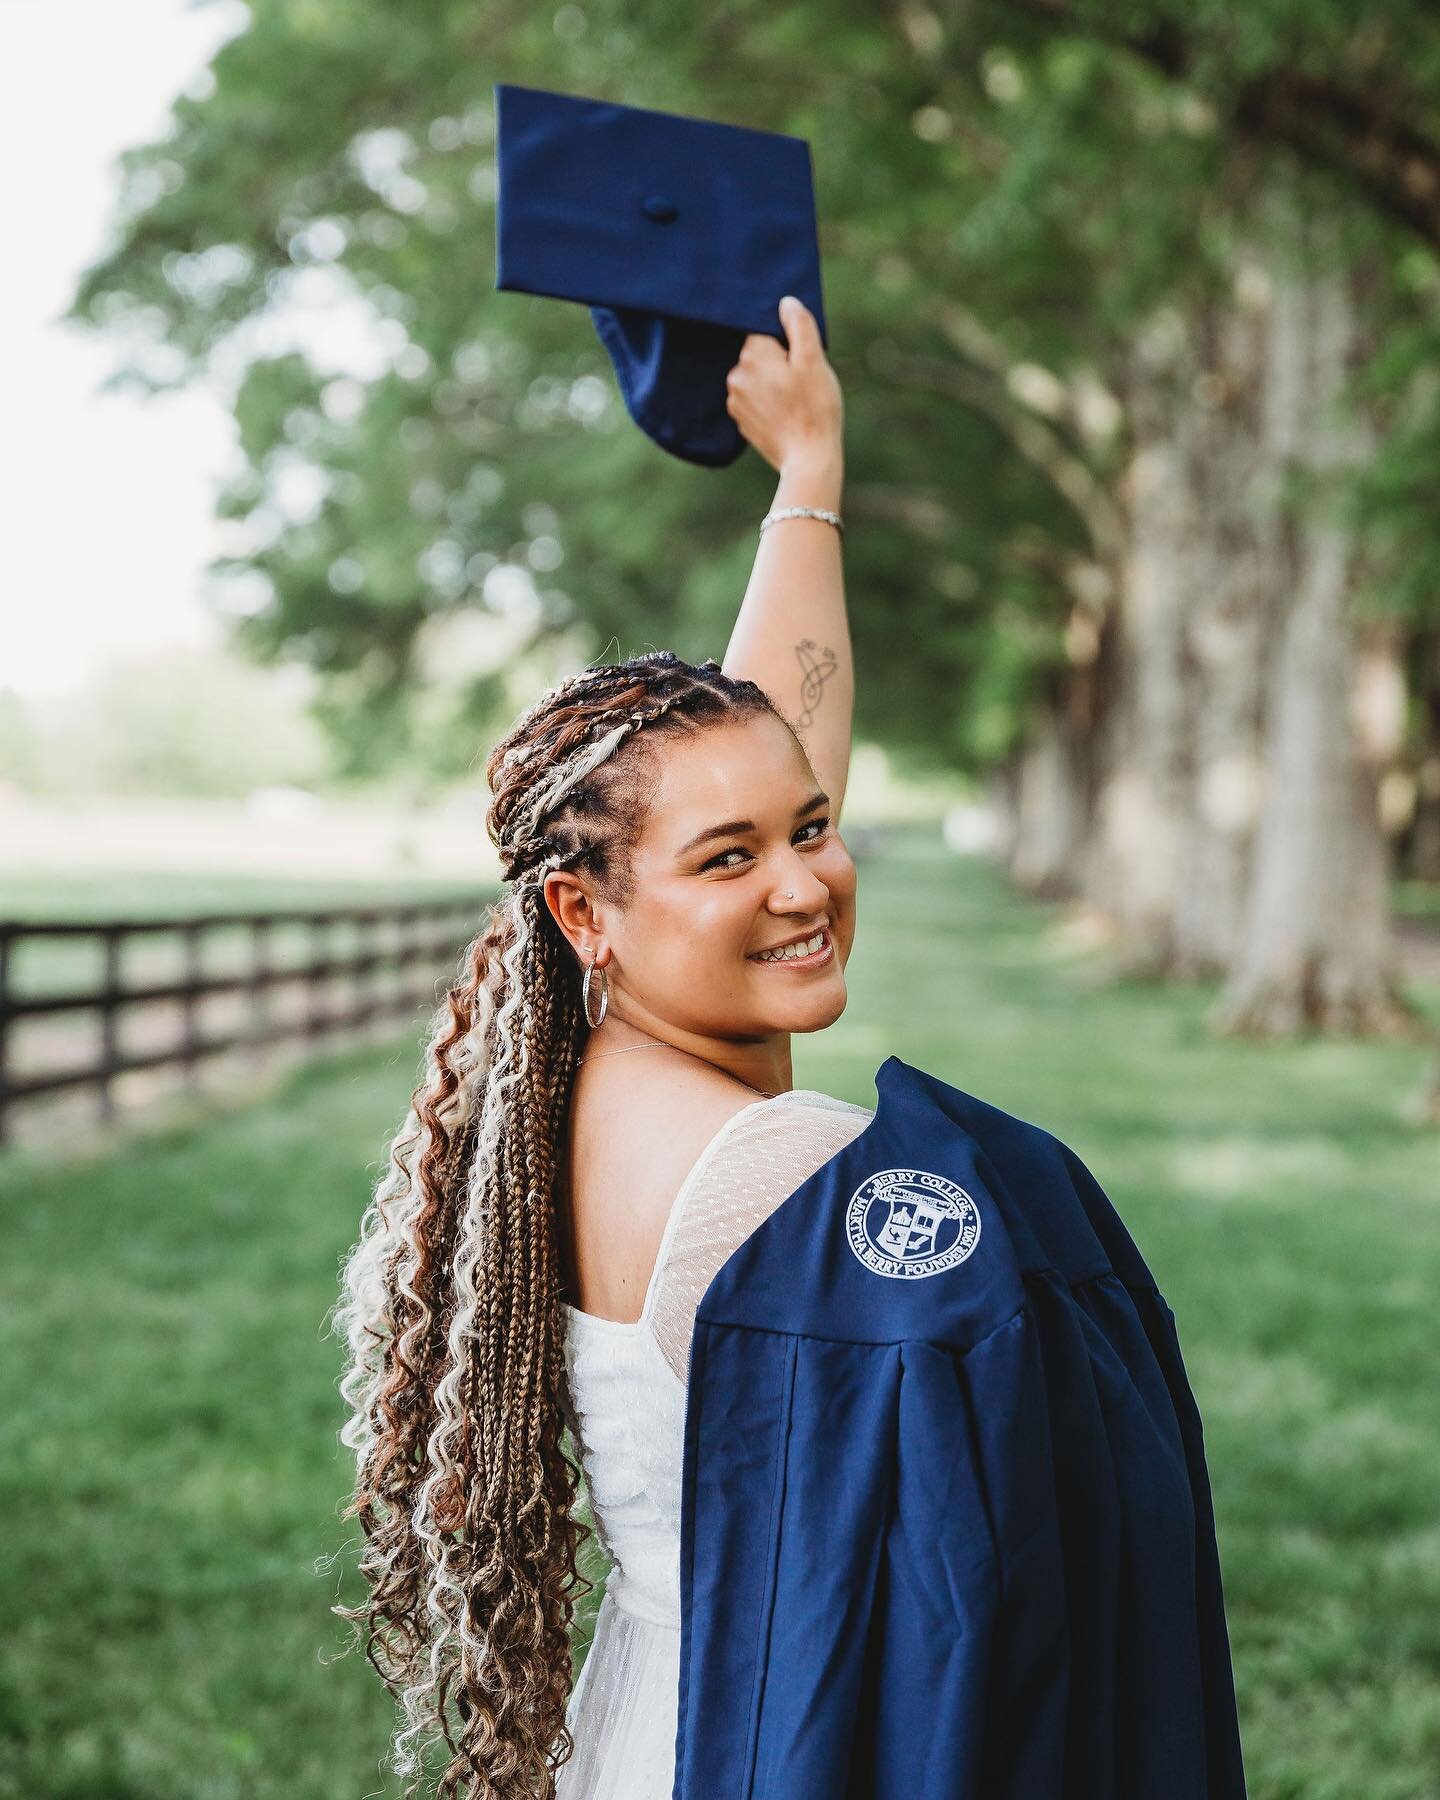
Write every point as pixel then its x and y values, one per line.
pixel 1417 899
pixel 169 1472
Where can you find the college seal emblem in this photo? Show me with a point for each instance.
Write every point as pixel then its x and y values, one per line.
pixel 908 1223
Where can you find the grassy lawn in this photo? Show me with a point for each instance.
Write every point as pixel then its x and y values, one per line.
pixel 171 1474
pixel 1417 900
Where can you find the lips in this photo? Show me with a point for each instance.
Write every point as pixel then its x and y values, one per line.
pixel 812 961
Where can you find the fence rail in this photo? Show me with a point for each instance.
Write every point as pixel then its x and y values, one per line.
pixel 426 932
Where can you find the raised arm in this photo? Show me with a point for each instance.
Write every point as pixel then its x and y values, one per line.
pixel 792 635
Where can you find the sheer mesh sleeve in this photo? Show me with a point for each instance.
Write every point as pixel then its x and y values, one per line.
pixel 744 1173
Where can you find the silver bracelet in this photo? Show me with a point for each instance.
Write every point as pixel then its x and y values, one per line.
pixel 805 512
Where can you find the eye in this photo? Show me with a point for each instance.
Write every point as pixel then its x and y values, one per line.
pixel 718 861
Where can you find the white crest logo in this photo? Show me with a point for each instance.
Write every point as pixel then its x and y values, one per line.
pixel 909 1223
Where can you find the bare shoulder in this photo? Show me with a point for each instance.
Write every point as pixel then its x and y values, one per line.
pixel 642 1129
pixel 634 1137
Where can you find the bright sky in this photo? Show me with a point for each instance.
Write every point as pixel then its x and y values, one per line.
pixel 80 80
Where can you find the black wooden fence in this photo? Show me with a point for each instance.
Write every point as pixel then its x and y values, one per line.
pixel 385 980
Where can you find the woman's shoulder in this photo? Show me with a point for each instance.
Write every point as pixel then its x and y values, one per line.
pixel 652 1123
pixel 634 1141
pixel 669 1113
pixel 679 1153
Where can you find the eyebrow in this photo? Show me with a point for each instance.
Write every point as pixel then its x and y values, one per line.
pixel 738 827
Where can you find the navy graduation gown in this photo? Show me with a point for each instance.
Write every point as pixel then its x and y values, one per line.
pixel 946 1528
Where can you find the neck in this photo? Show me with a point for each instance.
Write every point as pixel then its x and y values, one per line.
pixel 760 1062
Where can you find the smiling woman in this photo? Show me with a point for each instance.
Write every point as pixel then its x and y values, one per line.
pixel 678 886
pixel 606 1133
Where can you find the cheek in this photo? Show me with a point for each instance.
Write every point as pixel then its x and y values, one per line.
pixel 708 914
pixel 837 871
pixel 841 877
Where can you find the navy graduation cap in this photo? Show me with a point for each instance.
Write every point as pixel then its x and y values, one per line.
pixel 946 1527
pixel 681 234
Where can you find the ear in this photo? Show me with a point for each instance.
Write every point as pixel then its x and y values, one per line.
pixel 572 907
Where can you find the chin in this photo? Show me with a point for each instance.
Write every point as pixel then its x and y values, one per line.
pixel 824 1010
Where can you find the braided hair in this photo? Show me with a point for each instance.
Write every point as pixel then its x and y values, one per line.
pixel 450 1299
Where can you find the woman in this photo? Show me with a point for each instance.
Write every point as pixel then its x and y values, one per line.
pixel 558 1201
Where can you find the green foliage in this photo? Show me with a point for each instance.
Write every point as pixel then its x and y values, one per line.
pixel 1000 187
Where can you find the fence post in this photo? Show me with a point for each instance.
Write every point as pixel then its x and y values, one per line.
pixel 5 941
pixel 259 986
pixel 406 928
pixel 315 991
pixel 190 1053
pixel 113 936
pixel 367 981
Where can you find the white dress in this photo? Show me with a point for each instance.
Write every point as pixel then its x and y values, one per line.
pixel 627 1413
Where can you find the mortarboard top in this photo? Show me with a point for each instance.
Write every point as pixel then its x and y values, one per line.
pixel 681 235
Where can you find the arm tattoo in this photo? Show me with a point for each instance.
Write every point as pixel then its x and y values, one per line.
pixel 815 665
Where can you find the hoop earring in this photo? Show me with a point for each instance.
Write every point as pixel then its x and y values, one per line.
pixel 585 995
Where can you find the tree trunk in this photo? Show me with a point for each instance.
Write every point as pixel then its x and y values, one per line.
pixel 1050 813
pixel 1229 568
pixel 1315 947
pixel 1183 766
pixel 1001 797
pixel 1131 865
pixel 1422 835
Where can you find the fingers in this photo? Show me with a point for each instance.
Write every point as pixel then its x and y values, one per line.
pixel 800 327
pixel 758 350
pixel 801 330
pixel 764 358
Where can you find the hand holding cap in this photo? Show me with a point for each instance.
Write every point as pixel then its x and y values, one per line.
pixel 679 233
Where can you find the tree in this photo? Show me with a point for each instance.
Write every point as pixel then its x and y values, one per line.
pixel 1018 216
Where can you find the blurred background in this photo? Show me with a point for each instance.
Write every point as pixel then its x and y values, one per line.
pixel 1137 311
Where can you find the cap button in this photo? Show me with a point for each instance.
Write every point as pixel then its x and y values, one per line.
pixel 656 206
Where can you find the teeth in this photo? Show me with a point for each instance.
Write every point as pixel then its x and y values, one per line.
pixel 805 948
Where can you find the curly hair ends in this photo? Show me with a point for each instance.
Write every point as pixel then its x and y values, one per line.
pixel 450 1299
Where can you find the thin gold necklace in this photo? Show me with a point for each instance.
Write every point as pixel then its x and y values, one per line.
pixel 660 1042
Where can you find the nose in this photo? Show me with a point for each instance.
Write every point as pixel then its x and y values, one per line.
pixel 798 888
